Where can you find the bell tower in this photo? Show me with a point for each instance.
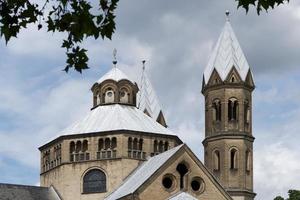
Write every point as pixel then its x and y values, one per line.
pixel 227 88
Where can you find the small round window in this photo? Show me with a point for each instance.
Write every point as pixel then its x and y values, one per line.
pixel 197 185
pixel 168 182
pixel 109 93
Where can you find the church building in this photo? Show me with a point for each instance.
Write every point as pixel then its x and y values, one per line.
pixel 123 149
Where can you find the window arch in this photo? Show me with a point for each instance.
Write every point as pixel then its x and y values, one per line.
pixel 166 147
pixel 85 145
pixel 94 181
pixel 72 147
pixel 248 160
pixel 100 144
pixel 78 146
pixel 232 109
pixel 161 146
pixel 113 143
pixel 135 144
pixel 246 112
pixel 109 95
pixel 106 143
pixel 182 170
pixel 130 143
pixel 216 110
pixel 233 158
pixel 124 95
pixel 155 146
pixel 141 144
pixel 216 160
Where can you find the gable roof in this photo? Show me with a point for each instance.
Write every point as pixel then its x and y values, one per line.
pixel 116 117
pixel 227 54
pixel 115 74
pixel 182 196
pixel 142 174
pixel 147 98
pixel 25 192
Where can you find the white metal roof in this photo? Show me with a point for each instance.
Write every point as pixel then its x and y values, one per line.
pixel 142 174
pixel 116 75
pixel 182 196
pixel 147 98
pixel 116 117
pixel 226 54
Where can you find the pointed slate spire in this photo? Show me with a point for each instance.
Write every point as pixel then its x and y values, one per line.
pixel 227 54
pixel 148 101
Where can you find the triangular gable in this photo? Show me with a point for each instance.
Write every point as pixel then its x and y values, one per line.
pixel 233 76
pixel 149 175
pixel 161 119
pixel 215 78
pixel 249 79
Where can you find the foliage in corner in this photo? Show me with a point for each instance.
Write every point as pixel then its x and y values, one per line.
pixel 260 4
pixel 73 17
pixel 293 195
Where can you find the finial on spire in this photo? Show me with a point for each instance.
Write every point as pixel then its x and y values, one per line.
pixel 227 15
pixel 144 61
pixel 115 57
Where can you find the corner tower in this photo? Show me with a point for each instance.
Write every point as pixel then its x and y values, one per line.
pixel 227 88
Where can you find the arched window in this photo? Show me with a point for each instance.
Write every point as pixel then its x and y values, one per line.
pixel 232 109
pixel 182 170
pixel 141 144
pixel 161 146
pixel 246 112
pixel 124 95
pixel 248 160
pixel 85 145
pixel 135 144
pixel 155 146
pixel 78 146
pixel 166 147
pixel 216 160
pixel 106 143
pixel 94 181
pixel 100 144
pixel 130 143
pixel 72 147
pixel 109 96
pixel 113 143
pixel 233 159
pixel 216 110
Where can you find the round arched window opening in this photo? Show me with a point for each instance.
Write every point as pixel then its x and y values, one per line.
pixel 94 181
pixel 197 185
pixel 109 93
pixel 167 182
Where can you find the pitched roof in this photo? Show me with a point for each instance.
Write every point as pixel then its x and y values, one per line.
pixel 115 74
pixel 226 54
pixel 116 117
pixel 147 98
pixel 182 196
pixel 141 174
pixel 25 192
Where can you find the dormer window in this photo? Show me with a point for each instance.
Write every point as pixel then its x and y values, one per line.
pixel 124 96
pixel 109 96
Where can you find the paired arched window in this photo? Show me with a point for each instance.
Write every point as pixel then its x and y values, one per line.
pixel 94 181
pixel 216 110
pixel 216 160
pixel 107 143
pixel 160 146
pixel 79 150
pixel 182 170
pixel 233 159
pixel 232 109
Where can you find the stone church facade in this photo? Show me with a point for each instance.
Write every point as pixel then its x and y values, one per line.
pixel 123 148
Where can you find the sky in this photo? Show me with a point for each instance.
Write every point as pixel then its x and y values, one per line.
pixel 38 100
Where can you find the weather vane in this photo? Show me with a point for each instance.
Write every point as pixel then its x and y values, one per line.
pixel 115 57
pixel 227 15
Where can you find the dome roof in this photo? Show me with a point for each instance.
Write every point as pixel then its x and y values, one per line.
pixel 227 54
pixel 116 75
